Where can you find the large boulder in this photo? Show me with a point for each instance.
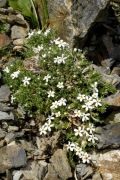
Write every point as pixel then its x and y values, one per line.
pixel 73 19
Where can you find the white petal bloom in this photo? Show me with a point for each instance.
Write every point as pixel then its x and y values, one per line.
pixel 81 97
pixel 60 60
pixel 26 81
pixel 15 74
pixel 60 85
pixel 48 126
pixel 42 130
pixel 37 49
pixel 47 31
pixel 7 70
pixel 97 102
pixel 77 113
pixel 38 32
pixel 60 43
pixel 30 34
pixel 44 55
pixel 91 128
pixel 92 138
pixel 79 152
pixel 50 118
pixel 88 106
pixel 12 99
pixel 71 146
pixel 79 132
pixel 62 102
pixel 95 95
pixel 86 158
pixel 54 105
pixel 58 114
pixel 51 93
pixel 85 117
pixel 46 78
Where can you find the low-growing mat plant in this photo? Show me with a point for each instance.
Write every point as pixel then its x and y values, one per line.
pixel 57 82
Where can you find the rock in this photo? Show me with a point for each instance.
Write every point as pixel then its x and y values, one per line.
pixel 11 156
pixel 83 171
pixel 18 42
pixel 116 70
pixel 4 93
pixel 59 168
pixel 113 117
pixel 2 134
pixel 2 3
pixel 34 170
pixel 97 176
pixel 13 128
pixel 109 136
pixel 17 175
pixel 113 100
pixel 18 32
pixel 9 138
pixel 5 116
pixel 28 146
pixel 5 107
pixel 108 165
pixel 4 40
pixel 75 18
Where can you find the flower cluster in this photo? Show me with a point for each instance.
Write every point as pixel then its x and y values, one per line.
pixel 65 90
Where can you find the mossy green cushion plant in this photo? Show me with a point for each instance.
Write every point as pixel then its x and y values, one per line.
pixel 59 83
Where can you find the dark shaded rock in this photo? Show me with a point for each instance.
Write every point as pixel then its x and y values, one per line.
pixel 109 136
pixel 59 168
pixel 74 18
pixel 83 171
pixel 4 93
pixel 5 116
pixel 12 156
pixel 18 32
pixel 108 165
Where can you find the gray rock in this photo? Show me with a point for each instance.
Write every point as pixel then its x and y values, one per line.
pixel 35 170
pixel 18 32
pixel 5 116
pixel 17 175
pixel 5 107
pixel 109 136
pixel 2 3
pixel 11 156
pixel 2 134
pixel 4 93
pixel 83 171
pixel 97 176
pixel 59 168
pixel 75 18
pixel 113 100
pixel 10 137
pixel 13 128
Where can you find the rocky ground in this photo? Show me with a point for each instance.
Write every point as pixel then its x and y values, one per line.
pixel 24 155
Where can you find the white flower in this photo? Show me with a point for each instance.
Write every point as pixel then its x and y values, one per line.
pixel 79 152
pixel 51 94
pixel 48 126
pixel 60 43
pixel 62 102
pixel 60 85
pixel 97 102
pixel 42 130
pixel 60 60
pixel 79 132
pixel 92 138
pixel 54 105
pixel 86 158
pixel 46 78
pixel 95 95
pixel 44 55
pixel 88 106
pixel 71 146
pixel 30 34
pixel 91 128
pixel 15 74
pixel 47 31
pixel 77 113
pixel 58 114
pixel 38 32
pixel 50 118
pixel 12 99
pixel 6 70
pixel 85 116
pixel 81 97
pixel 38 49
pixel 26 81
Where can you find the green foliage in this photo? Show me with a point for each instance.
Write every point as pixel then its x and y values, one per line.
pixel 58 83
pixel 27 8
